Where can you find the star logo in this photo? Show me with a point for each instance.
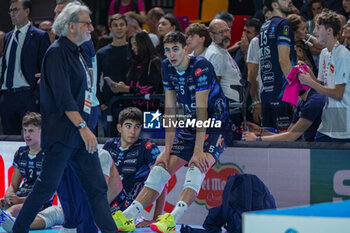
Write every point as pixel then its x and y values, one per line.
pixel 151 120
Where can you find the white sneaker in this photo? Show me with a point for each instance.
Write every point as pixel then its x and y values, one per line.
pixel 7 221
pixel 68 230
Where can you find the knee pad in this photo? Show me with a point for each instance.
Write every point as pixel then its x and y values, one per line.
pixel 52 216
pixel 157 178
pixel 193 179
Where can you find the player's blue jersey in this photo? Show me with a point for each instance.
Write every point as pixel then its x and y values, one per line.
pixel 276 31
pixel 30 168
pixel 133 163
pixel 199 76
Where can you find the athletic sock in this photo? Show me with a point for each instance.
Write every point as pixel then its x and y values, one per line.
pixel 133 210
pixel 179 210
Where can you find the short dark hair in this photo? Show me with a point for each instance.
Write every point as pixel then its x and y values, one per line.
pixel 156 15
pixel 130 113
pixel 201 30
pixel 175 37
pixel 268 4
pixel 26 4
pixel 254 22
pixel 32 118
pixel 329 19
pixel 225 16
pixel 117 17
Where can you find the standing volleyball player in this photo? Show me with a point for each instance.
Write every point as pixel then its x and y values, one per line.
pixel 190 81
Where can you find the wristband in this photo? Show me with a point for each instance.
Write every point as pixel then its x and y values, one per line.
pixel 258 138
pixel 256 102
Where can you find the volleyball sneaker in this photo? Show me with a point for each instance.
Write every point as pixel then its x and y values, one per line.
pixel 165 224
pixel 122 222
pixel 6 220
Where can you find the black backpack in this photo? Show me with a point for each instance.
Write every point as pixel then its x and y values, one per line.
pixel 134 6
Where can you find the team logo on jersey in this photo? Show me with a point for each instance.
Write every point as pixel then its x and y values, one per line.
pixel 198 72
pixel 332 68
pixel 286 30
pixel 151 120
pixel 148 145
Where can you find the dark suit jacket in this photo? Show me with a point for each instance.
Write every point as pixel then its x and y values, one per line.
pixel 34 47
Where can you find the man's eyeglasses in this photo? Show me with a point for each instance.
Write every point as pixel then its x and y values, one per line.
pixel 88 24
pixel 222 32
pixel 14 10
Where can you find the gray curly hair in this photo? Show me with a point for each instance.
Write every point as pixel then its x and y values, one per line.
pixel 69 14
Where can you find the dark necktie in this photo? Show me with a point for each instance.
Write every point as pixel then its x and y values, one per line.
pixel 11 62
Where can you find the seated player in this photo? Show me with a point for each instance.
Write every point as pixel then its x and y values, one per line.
pixel 27 166
pixel 191 82
pixel 305 121
pixel 133 157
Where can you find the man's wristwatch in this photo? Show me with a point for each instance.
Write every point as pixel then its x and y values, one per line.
pixel 82 125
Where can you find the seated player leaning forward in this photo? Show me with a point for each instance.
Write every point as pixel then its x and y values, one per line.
pixel 190 81
pixel 133 157
pixel 305 121
pixel 27 166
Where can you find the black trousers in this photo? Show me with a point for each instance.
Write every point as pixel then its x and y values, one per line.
pixel 88 169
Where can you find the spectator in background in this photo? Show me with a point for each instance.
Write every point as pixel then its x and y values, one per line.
pixel 267 13
pixel 303 52
pixel 98 34
pixel 226 69
pixel 313 7
pixel 24 49
pixel 346 35
pixel 152 20
pixel 253 66
pixel 131 8
pixel 277 57
pixel 251 29
pixel 113 61
pixel 346 7
pixel 133 27
pixel 47 26
pixel 342 24
pixel 167 23
pixel 225 16
pixel 333 80
pixel 197 39
pixel 144 76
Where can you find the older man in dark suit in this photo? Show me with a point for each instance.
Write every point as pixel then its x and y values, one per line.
pixel 24 48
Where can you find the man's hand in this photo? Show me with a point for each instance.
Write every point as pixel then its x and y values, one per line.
pixel 248 136
pixel 12 199
pixel 123 87
pixel 37 75
pixel 3 203
pixel 145 223
pixel 164 159
pixel 89 139
pixel 257 113
pixel 306 79
pixel 200 160
pixel 244 43
pixel 254 128
pixel 103 107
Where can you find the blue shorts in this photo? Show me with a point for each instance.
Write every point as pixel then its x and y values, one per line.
pixel 215 143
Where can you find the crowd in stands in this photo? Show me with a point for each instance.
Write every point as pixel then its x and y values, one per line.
pixel 281 36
